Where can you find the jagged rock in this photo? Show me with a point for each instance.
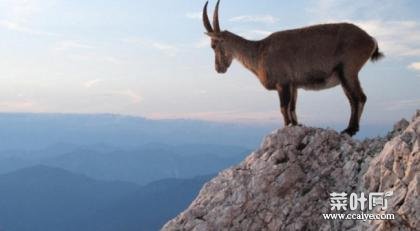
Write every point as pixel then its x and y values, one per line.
pixel 398 128
pixel 286 184
pixel 397 169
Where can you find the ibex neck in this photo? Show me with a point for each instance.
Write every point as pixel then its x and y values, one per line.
pixel 245 51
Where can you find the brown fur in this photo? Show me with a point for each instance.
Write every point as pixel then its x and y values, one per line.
pixel 315 58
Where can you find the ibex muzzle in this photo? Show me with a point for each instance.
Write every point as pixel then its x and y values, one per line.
pixel 314 58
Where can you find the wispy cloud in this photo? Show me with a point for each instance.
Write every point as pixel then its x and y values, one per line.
pixel 133 96
pixel 414 66
pixel 71 44
pixel 193 15
pixel 201 92
pixel 93 57
pixel 91 83
pixel 347 9
pixel 14 26
pixel 166 48
pixel 256 34
pixel 396 37
pixel 268 19
pixel 112 59
pixel 203 42
pixel 402 104
pixel 19 105
pixel 83 51
pixel 18 15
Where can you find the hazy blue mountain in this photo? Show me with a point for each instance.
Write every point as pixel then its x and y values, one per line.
pixel 114 147
pixel 147 209
pixel 150 163
pixel 14 159
pixel 36 131
pixel 10 164
pixel 142 165
pixel 135 149
pixel 31 131
pixel 80 154
pixel 42 198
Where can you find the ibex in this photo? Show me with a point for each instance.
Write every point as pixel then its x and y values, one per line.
pixel 313 58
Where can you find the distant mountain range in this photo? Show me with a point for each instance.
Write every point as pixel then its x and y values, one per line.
pixel 151 163
pixel 67 172
pixel 141 165
pixel 43 198
pixel 32 131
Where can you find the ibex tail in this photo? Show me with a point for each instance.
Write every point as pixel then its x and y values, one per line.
pixel 376 55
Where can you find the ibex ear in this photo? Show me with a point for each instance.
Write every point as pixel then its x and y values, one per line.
pixel 213 35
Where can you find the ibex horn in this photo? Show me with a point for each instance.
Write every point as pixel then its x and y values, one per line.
pixel 206 21
pixel 216 18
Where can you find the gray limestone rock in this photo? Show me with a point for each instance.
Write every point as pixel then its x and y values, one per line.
pixel 286 183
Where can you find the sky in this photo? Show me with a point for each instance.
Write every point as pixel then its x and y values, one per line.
pixel 152 59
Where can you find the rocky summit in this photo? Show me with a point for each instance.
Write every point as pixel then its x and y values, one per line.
pixel 287 183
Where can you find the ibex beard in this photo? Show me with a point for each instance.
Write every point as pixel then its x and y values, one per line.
pixel 313 58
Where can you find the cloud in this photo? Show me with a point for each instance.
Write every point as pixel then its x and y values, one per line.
pixel 134 97
pixel 396 37
pixel 93 57
pixel 201 92
pixel 112 59
pixel 71 44
pixel 402 104
pixel 18 12
pixel 256 34
pixel 268 19
pixel 19 105
pixel 14 26
pixel 203 42
pixel 344 9
pixel 18 15
pixel 414 66
pixel 166 48
pixel 194 15
pixel 91 83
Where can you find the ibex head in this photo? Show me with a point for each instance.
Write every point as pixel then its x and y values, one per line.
pixel 223 54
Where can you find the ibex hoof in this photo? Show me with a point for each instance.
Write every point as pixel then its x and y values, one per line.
pixel 350 131
pixel 293 125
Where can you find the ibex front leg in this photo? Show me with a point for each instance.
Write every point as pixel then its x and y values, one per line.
pixel 285 96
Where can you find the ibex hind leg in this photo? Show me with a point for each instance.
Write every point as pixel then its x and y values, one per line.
pixel 357 98
pixel 292 106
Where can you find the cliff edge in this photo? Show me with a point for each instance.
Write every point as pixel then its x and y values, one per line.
pixel 287 183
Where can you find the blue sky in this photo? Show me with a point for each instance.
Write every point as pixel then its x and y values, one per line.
pixel 152 59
